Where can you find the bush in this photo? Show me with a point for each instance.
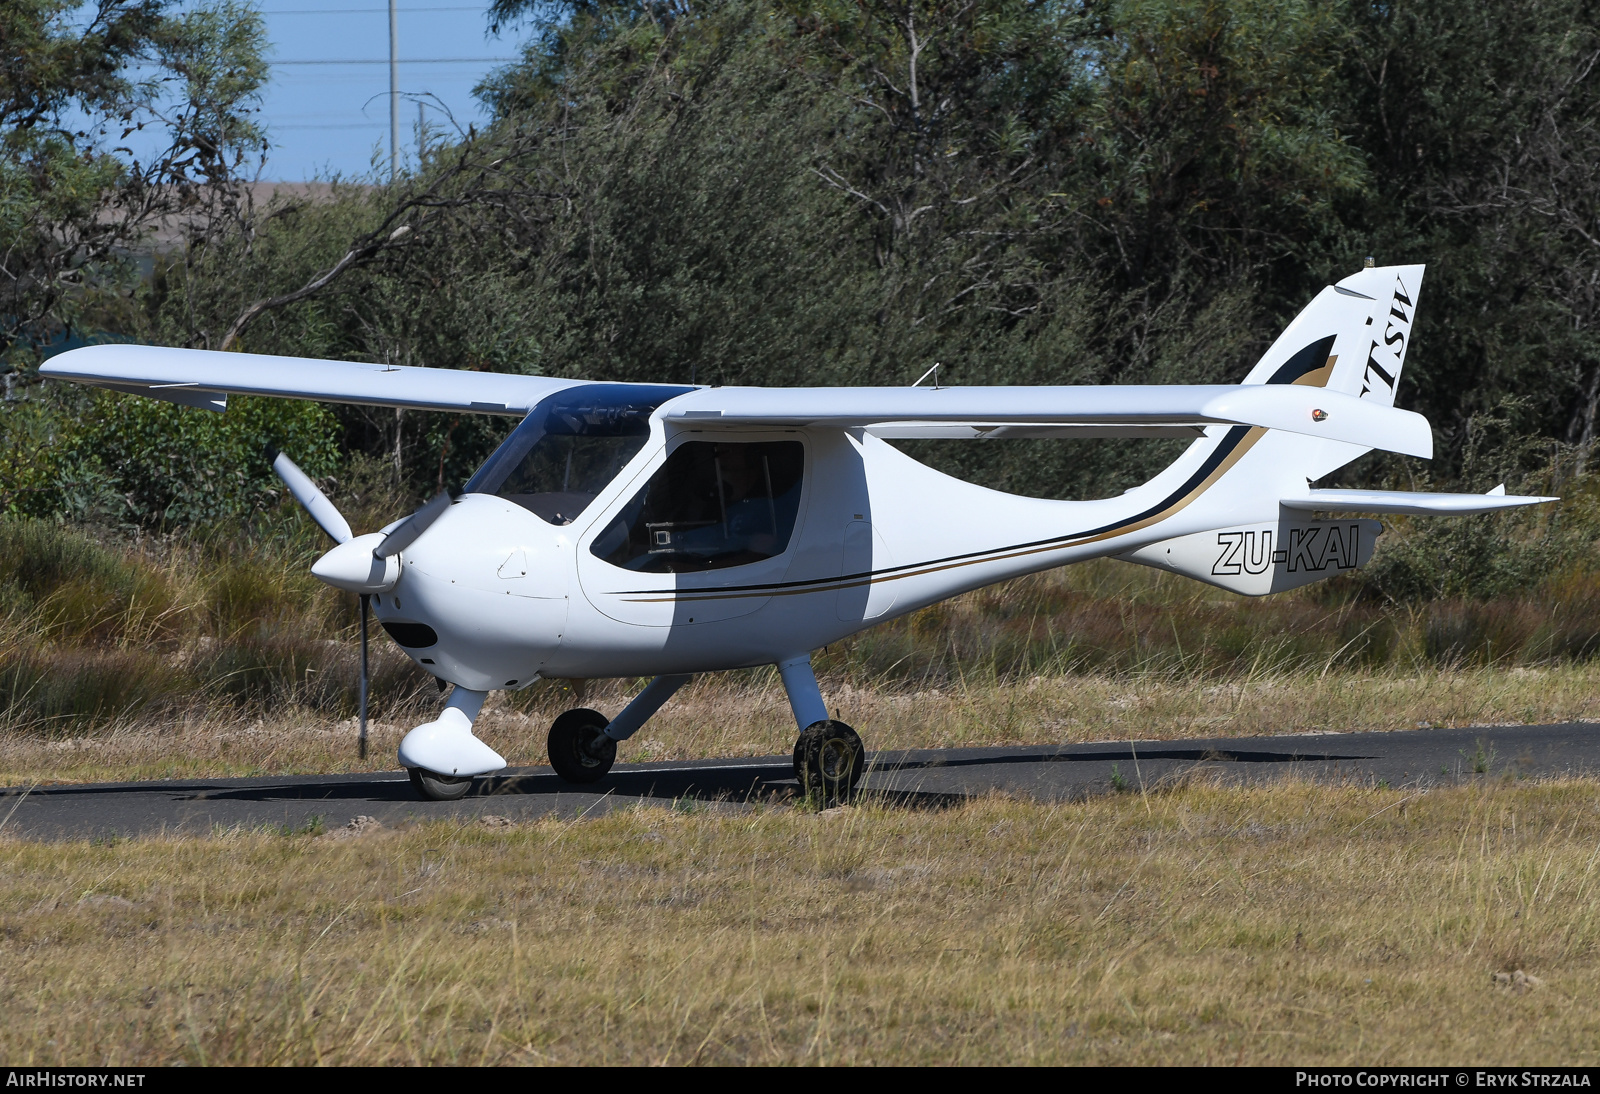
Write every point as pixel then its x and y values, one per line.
pixel 178 467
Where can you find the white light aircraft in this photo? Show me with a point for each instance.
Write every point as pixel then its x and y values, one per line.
pixel 651 530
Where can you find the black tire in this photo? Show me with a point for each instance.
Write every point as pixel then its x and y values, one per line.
pixel 828 761
pixel 579 749
pixel 439 788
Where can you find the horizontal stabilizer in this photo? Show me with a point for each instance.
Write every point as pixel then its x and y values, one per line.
pixel 1406 501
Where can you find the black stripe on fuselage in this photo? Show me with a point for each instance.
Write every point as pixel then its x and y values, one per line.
pixel 1234 437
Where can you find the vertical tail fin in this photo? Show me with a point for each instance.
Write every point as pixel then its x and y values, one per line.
pixel 1352 338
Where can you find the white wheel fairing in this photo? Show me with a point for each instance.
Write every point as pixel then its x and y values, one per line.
pixel 446 746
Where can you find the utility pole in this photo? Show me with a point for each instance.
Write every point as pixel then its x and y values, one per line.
pixel 394 93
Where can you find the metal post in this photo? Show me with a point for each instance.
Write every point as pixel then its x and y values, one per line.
pixel 422 131
pixel 363 717
pixel 394 92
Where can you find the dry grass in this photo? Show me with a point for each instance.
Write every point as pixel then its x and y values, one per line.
pixel 1296 923
pixel 186 657
pixel 747 715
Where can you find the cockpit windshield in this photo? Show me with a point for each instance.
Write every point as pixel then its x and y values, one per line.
pixel 570 446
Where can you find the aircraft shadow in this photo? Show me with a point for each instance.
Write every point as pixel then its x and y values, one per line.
pixel 890 762
pixel 733 784
pixel 736 784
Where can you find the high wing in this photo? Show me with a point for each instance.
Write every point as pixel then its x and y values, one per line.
pixel 1405 501
pixel 204 378
pixel 1118 410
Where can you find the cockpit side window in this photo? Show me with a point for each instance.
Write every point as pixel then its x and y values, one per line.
pixel 570 447
pixel 711 505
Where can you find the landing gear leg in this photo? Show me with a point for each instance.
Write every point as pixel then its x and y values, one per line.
pixel 828 755
pixel 583 745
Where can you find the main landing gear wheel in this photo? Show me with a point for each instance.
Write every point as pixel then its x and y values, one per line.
pixel 828 761
pixel 439 788
pixel 580 751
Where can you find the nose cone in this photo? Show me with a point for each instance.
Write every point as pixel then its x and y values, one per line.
pixel 351 566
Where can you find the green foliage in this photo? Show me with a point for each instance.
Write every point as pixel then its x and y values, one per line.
pixel 71 588
pixel 105 458
pixel 74 81
pixel 31 472
pixel 1480 129
pixel 1477 557
pixel 1140 191
pixel 177 466
pixel 837 194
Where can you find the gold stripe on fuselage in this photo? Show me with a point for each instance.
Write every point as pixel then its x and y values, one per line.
pixel 917 569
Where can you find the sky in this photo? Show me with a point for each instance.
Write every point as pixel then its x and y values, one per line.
pixel 332 116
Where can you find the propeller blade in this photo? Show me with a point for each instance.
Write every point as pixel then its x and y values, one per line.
pixel 363 717
pixel 416 524
pixel 306 493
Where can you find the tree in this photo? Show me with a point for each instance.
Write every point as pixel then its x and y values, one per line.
pixel 1478 124
pixel 79 208
pixel 74 200
pixel 1028 191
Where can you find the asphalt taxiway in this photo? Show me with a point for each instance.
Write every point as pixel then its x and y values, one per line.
pixel 922 778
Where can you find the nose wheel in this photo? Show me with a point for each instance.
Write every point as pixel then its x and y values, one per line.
pixel 579 749
pixel 828 761
pixel 439 788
